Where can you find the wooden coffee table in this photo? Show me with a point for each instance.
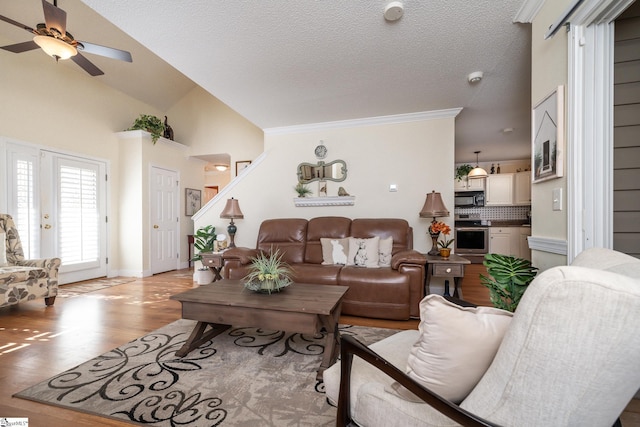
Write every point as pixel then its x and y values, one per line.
pixel 301 307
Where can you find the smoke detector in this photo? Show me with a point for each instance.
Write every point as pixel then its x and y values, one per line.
pixel 475 77
pixel 393 11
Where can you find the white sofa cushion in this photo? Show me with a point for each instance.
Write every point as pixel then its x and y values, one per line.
pixel 455 348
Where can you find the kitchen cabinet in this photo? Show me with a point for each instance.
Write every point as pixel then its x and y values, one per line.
pixel 465 184
pixel 510 241
pixel 499 191
pixel 522 188
pixel 500 240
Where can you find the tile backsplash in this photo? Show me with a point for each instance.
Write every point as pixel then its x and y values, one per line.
pixel 497 212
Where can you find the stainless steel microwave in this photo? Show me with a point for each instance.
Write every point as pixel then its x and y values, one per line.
pixel 469 199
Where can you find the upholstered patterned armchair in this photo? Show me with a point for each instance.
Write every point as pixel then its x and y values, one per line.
pixel 24 279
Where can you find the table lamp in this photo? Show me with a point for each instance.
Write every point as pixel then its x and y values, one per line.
pixel 232 210
pixel 433 207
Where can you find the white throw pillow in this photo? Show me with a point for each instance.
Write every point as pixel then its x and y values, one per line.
pixel 334 251
pixel 363 252
pixel 3 249
pixel 384 252
pixel 455 348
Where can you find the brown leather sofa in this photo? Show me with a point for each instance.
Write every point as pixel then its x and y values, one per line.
pixel 386 292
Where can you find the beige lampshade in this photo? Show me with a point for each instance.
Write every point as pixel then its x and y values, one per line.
pixel 232 209
pixel 434 206
pixel 477 172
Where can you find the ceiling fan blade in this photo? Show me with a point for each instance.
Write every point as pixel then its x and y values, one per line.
pixel 16 23
pixel 87 65
pixel 55 17
pixel 109 52
pixel 21 47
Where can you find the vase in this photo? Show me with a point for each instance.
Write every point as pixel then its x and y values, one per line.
pixel 434 243
pixel 445 252
pixel 203 277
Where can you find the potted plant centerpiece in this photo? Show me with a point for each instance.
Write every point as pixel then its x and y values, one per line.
pixel 203 241
pixel 151 124
pixel 510 277
pixel 268 273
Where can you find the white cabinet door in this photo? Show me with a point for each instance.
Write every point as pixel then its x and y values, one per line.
pixel 500 241
pixel 466 184
pixel 460 184
pixel 522 192
pixel 499 189
pixel 476 184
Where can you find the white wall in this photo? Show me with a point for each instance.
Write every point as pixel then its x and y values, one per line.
pixel 548 71
pixel 416 156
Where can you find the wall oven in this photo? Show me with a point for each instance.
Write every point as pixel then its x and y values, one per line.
pixel 472 238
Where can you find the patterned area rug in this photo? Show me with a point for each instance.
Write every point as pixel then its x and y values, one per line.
pixel 244 376
pixel 73 290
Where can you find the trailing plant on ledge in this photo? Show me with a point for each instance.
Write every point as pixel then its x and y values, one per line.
pixel 462 171
pixel 151 124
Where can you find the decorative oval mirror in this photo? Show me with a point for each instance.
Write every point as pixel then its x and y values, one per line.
pixel 332 171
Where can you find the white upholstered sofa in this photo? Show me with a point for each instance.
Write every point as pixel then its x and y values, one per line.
pixel 570 356
pixel 24 279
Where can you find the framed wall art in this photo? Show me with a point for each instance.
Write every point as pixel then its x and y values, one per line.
pixel 192 201
pixel 242 165
pixel 547 139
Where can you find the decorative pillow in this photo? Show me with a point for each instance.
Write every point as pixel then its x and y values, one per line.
pixel 334 251
pixel 363 252
pixel 3 250
pixel 456 346
pixel 384 252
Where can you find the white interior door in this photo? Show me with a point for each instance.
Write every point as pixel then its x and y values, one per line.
pixel 164 220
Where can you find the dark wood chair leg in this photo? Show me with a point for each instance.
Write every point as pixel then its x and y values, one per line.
pixel 49 301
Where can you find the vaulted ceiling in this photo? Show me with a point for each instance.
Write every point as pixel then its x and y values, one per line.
pixel 283 62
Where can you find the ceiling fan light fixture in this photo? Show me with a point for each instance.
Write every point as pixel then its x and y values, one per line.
pixel 477 172
pixel 55 47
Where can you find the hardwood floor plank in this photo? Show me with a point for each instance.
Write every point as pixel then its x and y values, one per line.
pixel 37 342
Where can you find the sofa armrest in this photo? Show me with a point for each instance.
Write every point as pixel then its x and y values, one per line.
pixel 51 266
pixel 243 256
pixel 349 347
pixel 408 257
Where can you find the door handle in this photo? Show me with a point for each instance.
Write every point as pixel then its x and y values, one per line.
pixel 47 226
pixel 155 226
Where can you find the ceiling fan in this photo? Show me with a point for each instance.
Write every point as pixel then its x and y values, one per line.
pixel 52 37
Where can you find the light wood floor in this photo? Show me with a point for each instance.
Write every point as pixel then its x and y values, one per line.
pixel 37 342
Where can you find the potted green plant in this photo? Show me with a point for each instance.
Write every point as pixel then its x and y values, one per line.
pixel 203 241
pixel 509 279
pixel 268 273
pixel 302 189
pixel 151 124
pixel 462 171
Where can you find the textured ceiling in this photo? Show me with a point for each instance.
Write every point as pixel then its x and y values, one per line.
pixel 282 63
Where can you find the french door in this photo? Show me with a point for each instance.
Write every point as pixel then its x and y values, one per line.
pixel 58 202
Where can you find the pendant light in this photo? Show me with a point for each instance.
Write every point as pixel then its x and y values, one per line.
pixel 477 172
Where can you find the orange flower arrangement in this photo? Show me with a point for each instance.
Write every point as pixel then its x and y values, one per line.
pixel 440 227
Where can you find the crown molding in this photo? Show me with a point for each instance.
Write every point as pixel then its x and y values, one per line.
pixel 528 11
pixel 370 121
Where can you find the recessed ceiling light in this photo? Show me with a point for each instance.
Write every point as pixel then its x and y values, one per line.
pixel 393 11
pixel 475 77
